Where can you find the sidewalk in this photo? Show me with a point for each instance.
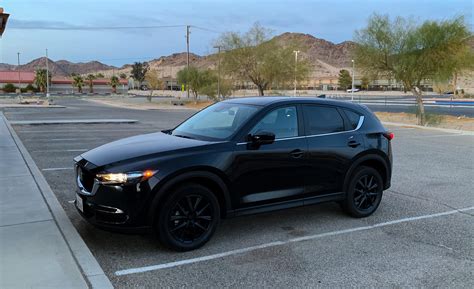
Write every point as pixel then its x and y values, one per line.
pixel 39 247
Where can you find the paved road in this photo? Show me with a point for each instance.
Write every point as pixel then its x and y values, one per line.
pixel 317 245
pixel 408 104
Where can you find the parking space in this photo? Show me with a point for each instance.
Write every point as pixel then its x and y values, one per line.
pixel 421 236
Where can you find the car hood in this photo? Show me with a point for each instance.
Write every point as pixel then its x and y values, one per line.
pixel 138 146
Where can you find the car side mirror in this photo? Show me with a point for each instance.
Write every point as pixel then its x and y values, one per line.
pixel 263 137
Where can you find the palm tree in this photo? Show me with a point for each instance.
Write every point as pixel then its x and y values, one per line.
pixel 40 79
pixel 114 81
pixel 78 81
pixel 90 79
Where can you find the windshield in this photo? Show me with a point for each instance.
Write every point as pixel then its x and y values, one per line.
pixel 216 122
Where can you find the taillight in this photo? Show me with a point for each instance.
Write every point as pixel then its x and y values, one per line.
pixel 389 135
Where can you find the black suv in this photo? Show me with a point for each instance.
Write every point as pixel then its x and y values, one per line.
pixel 236 157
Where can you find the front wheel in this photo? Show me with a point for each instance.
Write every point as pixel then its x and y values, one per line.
pixel 364 192
pixel 189 218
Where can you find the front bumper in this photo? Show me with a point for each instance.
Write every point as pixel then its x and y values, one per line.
pixel 115 207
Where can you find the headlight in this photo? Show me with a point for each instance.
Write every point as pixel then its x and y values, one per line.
pixel 124 178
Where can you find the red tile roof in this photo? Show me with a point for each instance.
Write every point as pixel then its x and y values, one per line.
pixel 29 77
pixel 12 76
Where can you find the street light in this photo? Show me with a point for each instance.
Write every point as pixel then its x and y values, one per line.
pixel 18 68
pixel 296 64
pixel 218 71
pixel 47 75
pixel 352 91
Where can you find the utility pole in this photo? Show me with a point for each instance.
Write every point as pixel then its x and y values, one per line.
pixel 47 75
pixel 187 58
pixel 353 70
pixel 218 71
pixel 18 68
pixel 296 64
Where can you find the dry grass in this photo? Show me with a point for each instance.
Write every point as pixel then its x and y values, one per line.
pixel 198 105
pixel 445 121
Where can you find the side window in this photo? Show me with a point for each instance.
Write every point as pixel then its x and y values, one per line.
pixel 322 119
pixel 283 122
pixel 353 118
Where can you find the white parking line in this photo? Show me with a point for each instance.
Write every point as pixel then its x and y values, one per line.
pixel 91 130
pixel 57 169
pixel 279 243
pixel 71 139
pixel 70 150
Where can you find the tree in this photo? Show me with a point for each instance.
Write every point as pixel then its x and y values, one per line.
pixel 90 80
pixel 78 81
pixel 365 81
pixel 100 75
pixel 139 70
pixel 412 53
pixel 40 79
pixel 196 79
pixel 114 81
pixel 253 56
pixel 153 81
pixel 123 76
pixel 345 79
pixel 211 89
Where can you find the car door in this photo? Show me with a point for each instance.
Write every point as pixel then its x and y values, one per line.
pixel 271 172
pixel 332 143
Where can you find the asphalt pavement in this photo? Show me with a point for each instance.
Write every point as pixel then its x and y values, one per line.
pixel 421 236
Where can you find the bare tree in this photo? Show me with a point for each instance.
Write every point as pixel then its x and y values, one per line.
pixel 153 81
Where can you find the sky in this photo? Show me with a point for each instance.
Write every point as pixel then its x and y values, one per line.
pixel 58 25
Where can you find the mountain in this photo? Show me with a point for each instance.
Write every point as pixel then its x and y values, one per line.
pixel 316 49
pixel 60 67
pixel 82 67
pixel 327 59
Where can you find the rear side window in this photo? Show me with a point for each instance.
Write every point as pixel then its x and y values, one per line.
pixel 353 118
pixel 322 119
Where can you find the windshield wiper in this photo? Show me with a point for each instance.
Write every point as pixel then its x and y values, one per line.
pixel 183 136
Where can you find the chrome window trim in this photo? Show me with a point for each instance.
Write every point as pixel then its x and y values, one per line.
pixel 359 125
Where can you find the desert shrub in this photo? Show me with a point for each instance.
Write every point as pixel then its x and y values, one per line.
pixel 433 119
pixel 9 87
pixel 31 88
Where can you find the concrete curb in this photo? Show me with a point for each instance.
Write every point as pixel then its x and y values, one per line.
pixel 455 131
pixel 30 106
pixel 81 253
pixel 69 121
pixel 124 106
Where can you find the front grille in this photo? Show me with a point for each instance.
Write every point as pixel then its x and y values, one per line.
pixel 86 178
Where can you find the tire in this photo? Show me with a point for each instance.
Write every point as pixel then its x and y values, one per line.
pixel 188 218
pixel 364 192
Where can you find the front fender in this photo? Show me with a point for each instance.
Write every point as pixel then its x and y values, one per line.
pixel 182 177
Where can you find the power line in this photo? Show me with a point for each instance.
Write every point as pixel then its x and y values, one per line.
pixel 206 29
pixel 88 28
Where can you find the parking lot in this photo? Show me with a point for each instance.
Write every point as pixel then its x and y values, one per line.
pixel 421 236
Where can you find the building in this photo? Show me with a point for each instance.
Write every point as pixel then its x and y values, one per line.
pixel 60 84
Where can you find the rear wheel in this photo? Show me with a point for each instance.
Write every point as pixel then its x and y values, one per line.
pixel 189 218
pixel 364 192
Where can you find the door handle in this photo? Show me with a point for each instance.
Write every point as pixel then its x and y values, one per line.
pixel 297 153
pixel 353 143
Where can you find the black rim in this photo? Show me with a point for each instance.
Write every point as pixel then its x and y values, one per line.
pixel 190 218
pixel 366 192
